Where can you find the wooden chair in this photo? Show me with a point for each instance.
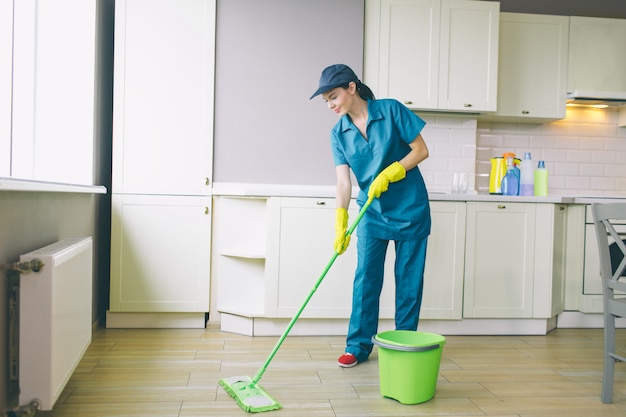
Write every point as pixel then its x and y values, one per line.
pixel 612 247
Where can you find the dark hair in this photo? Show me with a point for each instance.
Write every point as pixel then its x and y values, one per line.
pixel 364 91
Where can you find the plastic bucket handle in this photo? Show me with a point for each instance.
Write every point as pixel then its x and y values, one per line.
pixel 404 348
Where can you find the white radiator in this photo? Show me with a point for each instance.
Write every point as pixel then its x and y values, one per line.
pixel 54 318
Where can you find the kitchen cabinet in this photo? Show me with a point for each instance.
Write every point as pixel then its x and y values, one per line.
pixel 445 262
pixel 306 226
pixel 239 252
pixel 551 263
pixel 162 158
pixel 514 263
pixel 499 260
pixel 277 247
pixel 160 253
pixel 592 280
pixel 597 57
pixel 163 97
pixel 532 71
pixel 303 247
pixel 433 54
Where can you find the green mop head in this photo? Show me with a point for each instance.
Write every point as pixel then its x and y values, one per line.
pixel 249 395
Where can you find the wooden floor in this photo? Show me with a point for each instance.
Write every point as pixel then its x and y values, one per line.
pixel 156 373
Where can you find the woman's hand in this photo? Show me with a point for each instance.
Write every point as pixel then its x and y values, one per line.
pixel 341 226
pixel 394 172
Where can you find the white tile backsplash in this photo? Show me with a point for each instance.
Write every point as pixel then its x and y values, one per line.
pixel 451 142
pixel 585 153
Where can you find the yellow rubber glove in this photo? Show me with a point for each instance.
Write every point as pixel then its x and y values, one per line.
pixel 341 226
pixel 394 172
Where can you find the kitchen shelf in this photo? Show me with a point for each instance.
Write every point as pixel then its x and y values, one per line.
pixel 250 255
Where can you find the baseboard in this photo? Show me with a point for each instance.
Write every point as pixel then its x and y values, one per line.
pixel 263 326
pixel 117 320
pixel 578 320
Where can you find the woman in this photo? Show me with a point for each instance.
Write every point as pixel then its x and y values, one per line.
pixel 380 141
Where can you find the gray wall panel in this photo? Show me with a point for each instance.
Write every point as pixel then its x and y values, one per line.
pixel 269 57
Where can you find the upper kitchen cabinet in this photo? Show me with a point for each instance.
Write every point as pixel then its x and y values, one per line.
pixel 163 97
pixel 435 55
pixel 402 49
pixel 597 56
pixel 162 163
pixel 532 72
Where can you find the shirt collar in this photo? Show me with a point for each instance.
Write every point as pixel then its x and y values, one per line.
pixel 373 112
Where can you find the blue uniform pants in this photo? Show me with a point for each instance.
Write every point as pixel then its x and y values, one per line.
pixel 368 283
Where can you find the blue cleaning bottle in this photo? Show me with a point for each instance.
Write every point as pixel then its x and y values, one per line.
pixel 510 182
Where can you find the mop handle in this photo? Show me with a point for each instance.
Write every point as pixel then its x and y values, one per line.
pixel 261 371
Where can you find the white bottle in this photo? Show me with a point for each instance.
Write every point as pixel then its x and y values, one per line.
pixel 527 176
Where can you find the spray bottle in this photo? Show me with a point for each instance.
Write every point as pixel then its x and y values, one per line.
pixel 510 182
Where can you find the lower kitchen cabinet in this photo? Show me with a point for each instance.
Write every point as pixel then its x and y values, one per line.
pixel 304 247
pixel 268 254
pixel 512 269
pixel 485 261
pixel 160 254
pixel 445 258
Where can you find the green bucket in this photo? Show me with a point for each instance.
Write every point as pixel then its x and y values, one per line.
pixel 408 363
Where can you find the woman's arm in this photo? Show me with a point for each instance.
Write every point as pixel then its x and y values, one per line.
pixel 344 186
pixel 418 153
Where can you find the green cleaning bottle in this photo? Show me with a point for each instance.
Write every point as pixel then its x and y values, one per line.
pixel 541 180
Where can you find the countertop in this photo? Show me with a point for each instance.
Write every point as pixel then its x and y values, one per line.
pixel 14 184
pixel 503 198
pixel 328 191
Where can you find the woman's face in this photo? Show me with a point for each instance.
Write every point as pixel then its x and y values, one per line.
pixel 340 99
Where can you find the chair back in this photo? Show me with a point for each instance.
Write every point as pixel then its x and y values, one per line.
pixel 609 219
pixel 611 242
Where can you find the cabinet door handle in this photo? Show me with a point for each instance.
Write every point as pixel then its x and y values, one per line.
pixel 467 105
pixel 207 181
pixel 501 206
pixel 525 112
pixel 408 102
pixel 206 210
pixel 321 203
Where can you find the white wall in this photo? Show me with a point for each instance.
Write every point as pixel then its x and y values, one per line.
pixel 28 221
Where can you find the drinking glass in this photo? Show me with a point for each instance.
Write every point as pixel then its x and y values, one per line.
pixel 459 183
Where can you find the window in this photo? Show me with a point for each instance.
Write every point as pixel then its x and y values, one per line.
pixel 47 73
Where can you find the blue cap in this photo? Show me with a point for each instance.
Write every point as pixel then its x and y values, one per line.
pixel 335 76
pixel 541 164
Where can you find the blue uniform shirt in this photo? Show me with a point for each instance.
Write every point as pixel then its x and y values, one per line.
pixel 402 212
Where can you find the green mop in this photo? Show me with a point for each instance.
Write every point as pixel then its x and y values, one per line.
pixel 250 396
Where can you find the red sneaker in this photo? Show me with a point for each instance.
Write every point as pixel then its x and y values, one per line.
pixel 347 360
